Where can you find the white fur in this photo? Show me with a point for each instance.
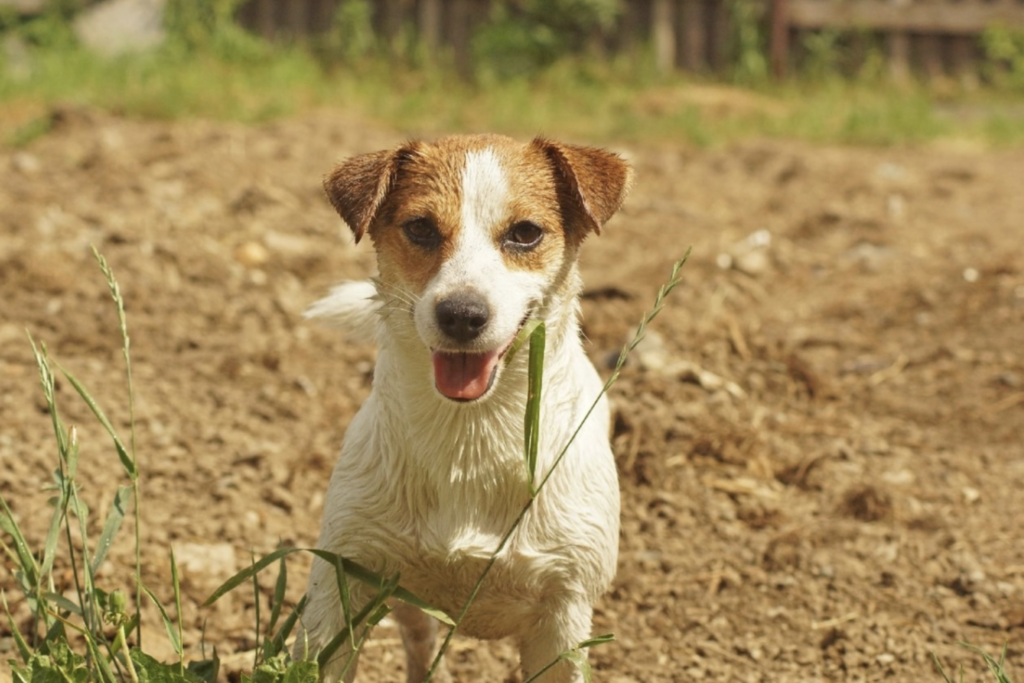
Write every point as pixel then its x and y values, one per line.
pixel 427 487
pixel 477 264
pixel 351 306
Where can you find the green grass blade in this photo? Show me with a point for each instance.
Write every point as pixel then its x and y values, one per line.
pixel 63 603
pixel 176 585
pixel 352 569
pixel 53 534
pixel 19 641
pixel 368 577
pixel 942 670
pixel 659 301
pixel 122 452
pixel 525 332
pixel 106 674
pixel 532 418
pixel 256 606
pixel 577 657
pixel 277 642
pixel 172 633
pixel 47 382
pixel 602 639
pixel 26 561
pixel 994 667
pixel 246 574
pixel 346 599
pixel 280 586
pixel 387 590
pixel 110 528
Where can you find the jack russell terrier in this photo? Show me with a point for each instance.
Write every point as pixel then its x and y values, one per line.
pixel 474 235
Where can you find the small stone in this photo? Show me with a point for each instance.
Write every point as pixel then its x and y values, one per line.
pixel 205 561
pixel 896 205
pixel 26 163
pixel 1010 379
pixel 885 659
pixel 752 263
pixel 651 354
pixel 252 254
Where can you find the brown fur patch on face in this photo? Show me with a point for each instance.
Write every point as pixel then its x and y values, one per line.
pixel 426 186
pixel 534 198
pixel 566 190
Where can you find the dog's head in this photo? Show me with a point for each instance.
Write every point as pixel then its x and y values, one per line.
pixel 473 236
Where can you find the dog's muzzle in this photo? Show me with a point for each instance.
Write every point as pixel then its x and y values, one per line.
pixel 464 375
pixel 462 317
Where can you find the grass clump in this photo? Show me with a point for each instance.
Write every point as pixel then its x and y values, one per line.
pixel 93 635
pixel 996 667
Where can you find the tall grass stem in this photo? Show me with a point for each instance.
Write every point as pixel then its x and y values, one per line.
pixel 659 302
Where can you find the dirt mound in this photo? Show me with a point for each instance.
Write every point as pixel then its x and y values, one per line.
pixel 819 443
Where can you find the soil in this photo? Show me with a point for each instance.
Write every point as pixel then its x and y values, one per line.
pixel 819 444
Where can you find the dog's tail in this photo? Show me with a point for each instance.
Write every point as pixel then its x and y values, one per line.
pixel 351 306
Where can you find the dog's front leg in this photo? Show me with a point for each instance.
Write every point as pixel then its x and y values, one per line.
pixel 559 629
pixel 419 636
pixel 324 618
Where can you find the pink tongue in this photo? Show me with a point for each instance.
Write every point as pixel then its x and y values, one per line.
pixel 465 376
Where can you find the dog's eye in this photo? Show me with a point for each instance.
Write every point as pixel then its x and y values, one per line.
pixel 524 234
pixel 421 231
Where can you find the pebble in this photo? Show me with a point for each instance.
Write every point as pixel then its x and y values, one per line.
pixel 252 254
pixel 26 163
pixel 206 560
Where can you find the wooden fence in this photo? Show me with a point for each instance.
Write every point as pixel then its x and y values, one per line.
pixel 931 37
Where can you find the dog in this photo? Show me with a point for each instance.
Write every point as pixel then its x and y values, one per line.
pixel 474 235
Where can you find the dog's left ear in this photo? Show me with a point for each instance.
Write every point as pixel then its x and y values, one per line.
pixel 594 181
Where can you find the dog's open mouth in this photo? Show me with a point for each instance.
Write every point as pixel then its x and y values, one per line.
pixel 466 375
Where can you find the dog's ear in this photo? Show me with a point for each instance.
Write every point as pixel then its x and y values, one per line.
pixel 358 187
pixel 594 181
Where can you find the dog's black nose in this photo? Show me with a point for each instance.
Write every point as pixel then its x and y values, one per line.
pixel 463 317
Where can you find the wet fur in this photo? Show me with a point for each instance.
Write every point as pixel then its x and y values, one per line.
pixel 426 486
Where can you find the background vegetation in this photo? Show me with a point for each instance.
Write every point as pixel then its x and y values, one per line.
pixel 538 68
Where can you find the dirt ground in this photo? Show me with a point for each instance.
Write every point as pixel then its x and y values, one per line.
pixel 820 445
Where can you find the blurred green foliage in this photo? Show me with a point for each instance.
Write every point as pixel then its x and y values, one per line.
pixel 525 36
pixel 1004 51
pixel 536 67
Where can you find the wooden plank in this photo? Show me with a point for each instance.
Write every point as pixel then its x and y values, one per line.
pixel 780 37
pixel 898 46
pixel 460 36
pixel 958 19
pixel 296 18
pixel 663 35
pixel 24 6
pixel 929 50
pixel 630 27
pixel 962 60
pixel 321 16
pixel 692 38
pixel 720 31
pixel 265 18
pixel 390 17
pixel 429 19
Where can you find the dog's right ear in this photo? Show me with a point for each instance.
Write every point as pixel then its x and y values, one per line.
pixel 358 187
